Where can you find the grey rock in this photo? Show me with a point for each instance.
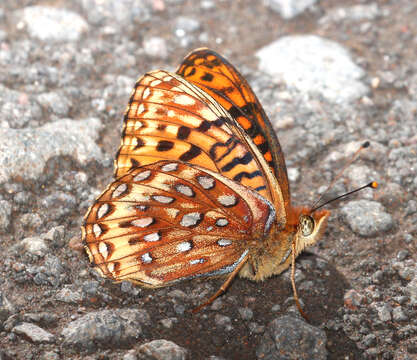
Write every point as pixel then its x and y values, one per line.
pixel 177 294
pixel 360 175
pixel 288 337
pixel 41 317
pixel 293 174
pixel 23 198
pixel 276 308
pixel 93 289
pixel 24 152
pixel 11 322
pixel 366 218
pixel 55 103
pixel 128 288
pixel 369 340
pixel 52 24
pixel 6 308
pixel 69 296
pixel 35 333
pixel 169 322
pixel 402 299
pixel 35 246
pixel 208 5
pixel 56 236
pixel 130 355
pixel 353 13
pixel 384 312
pixel 54 270
pixel 313 64
pixel 391 194
pixel 49 355
pixel 117 14
pixel 398 314
pixel 245 313
pixel 411 207
pixel 377 277
pixel 17 109
pixel 30 221
pixel 412 289
pixel 289 8
pixel 5 213
pixel 61 203
pixel 256 328
pixel 155 47
pixel 353 299
pixel 402 255
pixel 179 309
pixel 223 321
pixel 51 273
pixel 186 25
pixel 408 238
pixel 217 304
pixel 104 329
pixel 162 349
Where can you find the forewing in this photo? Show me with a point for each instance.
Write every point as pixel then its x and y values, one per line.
pixel 168 118
pixel 216 76
pixel 170 221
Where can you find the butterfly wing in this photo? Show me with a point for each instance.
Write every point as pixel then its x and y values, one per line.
pixel 216 76
pixel 169 221
pixel 169 118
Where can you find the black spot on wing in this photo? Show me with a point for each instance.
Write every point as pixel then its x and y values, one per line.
pixel 263 147
pixel 134 163
pixel 207 77
pixel 204 126
pixel 220 121
pixel 247 111
pixel 183 132
pixel 192 72
pixel 134 240
pixel 164 145
pixel 246 159
pixel 245 174
pixel 230 144
pixel 139 143
pixel 191 154
pixel 125 224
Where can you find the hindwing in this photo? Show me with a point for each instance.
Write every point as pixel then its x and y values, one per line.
pixel 169 221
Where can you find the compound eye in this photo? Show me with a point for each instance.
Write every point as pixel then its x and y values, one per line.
pixel 306 225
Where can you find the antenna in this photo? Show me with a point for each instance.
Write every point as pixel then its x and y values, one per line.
pixel 372 184
pixel 353 158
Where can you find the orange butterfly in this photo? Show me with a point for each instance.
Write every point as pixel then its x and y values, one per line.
pixel 201 185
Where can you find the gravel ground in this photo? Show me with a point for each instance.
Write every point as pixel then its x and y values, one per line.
pixel 330 74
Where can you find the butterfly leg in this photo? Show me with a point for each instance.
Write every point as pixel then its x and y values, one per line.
pixel 297 301
pixel 225 285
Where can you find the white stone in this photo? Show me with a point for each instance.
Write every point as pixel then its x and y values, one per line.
pixel 34 333
pixel 24 152
pixel 312 64
pixel 289 8
pixel 51 23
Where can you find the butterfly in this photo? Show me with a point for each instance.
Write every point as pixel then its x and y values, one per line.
pixel 201 187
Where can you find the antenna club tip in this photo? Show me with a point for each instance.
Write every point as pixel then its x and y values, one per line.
pixel 366 144
pixel 373 185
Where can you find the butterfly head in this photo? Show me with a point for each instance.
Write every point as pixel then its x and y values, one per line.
pixel 311 226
